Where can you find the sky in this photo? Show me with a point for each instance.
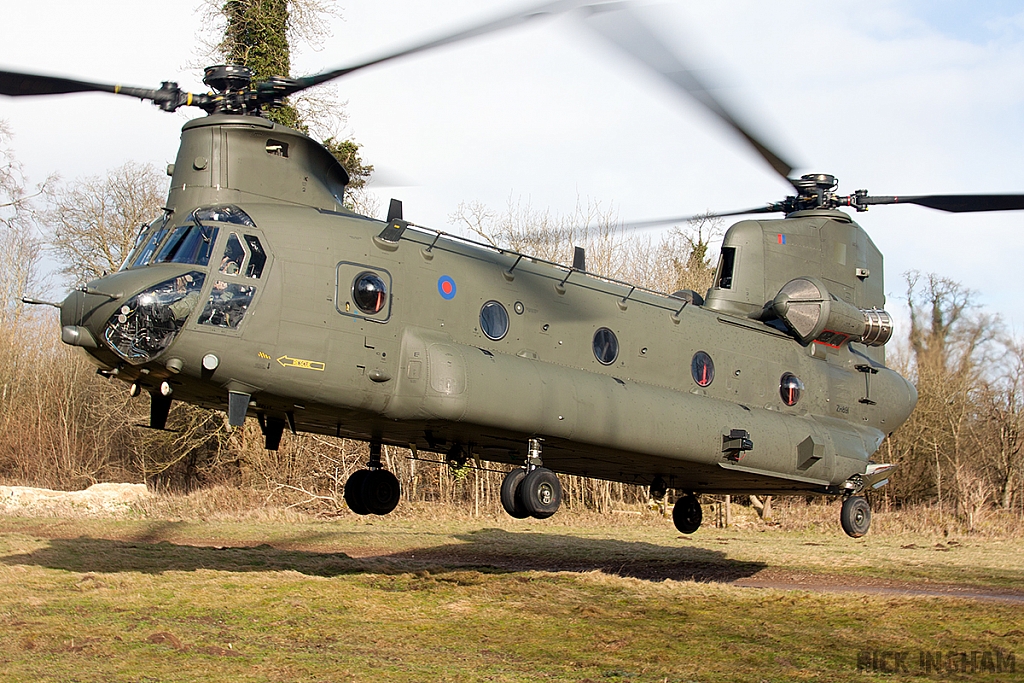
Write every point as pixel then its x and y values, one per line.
pixel 897 96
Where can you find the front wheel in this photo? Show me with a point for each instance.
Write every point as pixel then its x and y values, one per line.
pixel 540 493
pixel 381 492
pixel 354 492
pixel 855 516
pixel 510 500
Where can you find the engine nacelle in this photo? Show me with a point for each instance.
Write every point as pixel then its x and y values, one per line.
pixel 806 306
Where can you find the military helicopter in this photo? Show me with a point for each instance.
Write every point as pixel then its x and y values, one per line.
pixel 257 292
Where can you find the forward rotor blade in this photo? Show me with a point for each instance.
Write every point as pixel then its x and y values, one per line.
pixel 547 9
pixel 18 84
pixel 617 24
pixel 956 203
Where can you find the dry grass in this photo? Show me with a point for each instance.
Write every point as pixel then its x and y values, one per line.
pixel 275 596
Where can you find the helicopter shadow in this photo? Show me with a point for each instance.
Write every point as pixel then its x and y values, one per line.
pixel 495 551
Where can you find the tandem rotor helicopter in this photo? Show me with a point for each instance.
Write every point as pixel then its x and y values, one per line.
pixel 257 292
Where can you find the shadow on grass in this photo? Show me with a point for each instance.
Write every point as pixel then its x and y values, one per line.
pixel 486 550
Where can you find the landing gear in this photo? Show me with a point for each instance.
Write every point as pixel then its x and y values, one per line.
pixel 354 492
pixel 373 491
pixel 533 490
pixel 541 493
pixel 687 514
pixel 510 500
pixel 855 516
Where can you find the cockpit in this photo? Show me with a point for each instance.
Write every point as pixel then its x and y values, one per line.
pixel 146 324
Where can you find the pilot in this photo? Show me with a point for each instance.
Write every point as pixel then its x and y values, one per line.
pixel 183 306
pixel 231 264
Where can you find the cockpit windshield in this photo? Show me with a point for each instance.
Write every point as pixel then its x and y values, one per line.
pixel 188 244
pixel 191 243
pixel 147 242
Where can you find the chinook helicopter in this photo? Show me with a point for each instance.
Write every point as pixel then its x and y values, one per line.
pixel 258 293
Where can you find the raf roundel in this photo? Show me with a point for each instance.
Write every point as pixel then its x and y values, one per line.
pixel 446 287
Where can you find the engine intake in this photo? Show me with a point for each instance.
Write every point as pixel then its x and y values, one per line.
pixel 813 314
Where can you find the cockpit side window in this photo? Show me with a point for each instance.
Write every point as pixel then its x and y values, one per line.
pixel 258 257
pixel 725 268
pixel 234 255
pixel 227 305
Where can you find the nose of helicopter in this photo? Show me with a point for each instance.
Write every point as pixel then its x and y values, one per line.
pixel 72 331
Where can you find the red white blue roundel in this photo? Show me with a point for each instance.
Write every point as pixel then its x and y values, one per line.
pixel 446 287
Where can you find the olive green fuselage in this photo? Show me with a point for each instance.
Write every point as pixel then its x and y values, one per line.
pixel 422 372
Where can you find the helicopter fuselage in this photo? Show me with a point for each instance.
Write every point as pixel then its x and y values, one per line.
pixel 276 302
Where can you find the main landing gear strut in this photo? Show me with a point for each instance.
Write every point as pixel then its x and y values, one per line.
pixel 373 491
pixel 532 490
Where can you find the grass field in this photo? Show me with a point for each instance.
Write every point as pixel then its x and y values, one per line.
pixel 574 598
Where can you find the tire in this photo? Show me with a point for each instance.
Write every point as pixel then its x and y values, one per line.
pixel 540 493
pixel 381 492
pixel 855 516
pixel 687 514
pixel 510 500
pixel 354 492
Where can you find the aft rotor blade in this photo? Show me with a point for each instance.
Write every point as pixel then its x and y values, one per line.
pixel 655 222
pixel 17 84
pixel 955 203
pixel 617 24
pixel 547 9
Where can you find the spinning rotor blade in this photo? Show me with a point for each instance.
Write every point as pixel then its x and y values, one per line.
pixel 549 8
pixel 655 222
pixel 955 203
pixel 169 97
pixel 624 29
pixel 18 84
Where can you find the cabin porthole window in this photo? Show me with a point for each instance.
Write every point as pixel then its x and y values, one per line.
pixel 493 320
pixel 790 388
pixel 702 368
pixel 369 293
pixel 606 346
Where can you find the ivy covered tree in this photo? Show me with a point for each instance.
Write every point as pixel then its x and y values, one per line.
pixel 259 34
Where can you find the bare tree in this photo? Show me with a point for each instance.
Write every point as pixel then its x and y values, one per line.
pixel 952 345
pixel 19 241
pixel 678 260
pixel 1000 436
pixel 94 221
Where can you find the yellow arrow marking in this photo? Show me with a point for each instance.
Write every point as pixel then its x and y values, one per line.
pixel 289 362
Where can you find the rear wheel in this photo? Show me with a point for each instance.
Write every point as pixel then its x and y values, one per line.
pixel 855 516
pixel 687 514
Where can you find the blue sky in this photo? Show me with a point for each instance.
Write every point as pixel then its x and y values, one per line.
pixel 896 96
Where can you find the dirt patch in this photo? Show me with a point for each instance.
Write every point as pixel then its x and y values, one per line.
pixel 740 574
pixel 779 579
pixel 98 499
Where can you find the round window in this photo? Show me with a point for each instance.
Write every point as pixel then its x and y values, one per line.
pixel 703 369
pixel 369 293
pixel 494 320
pixel 606 346
pixel 790 388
